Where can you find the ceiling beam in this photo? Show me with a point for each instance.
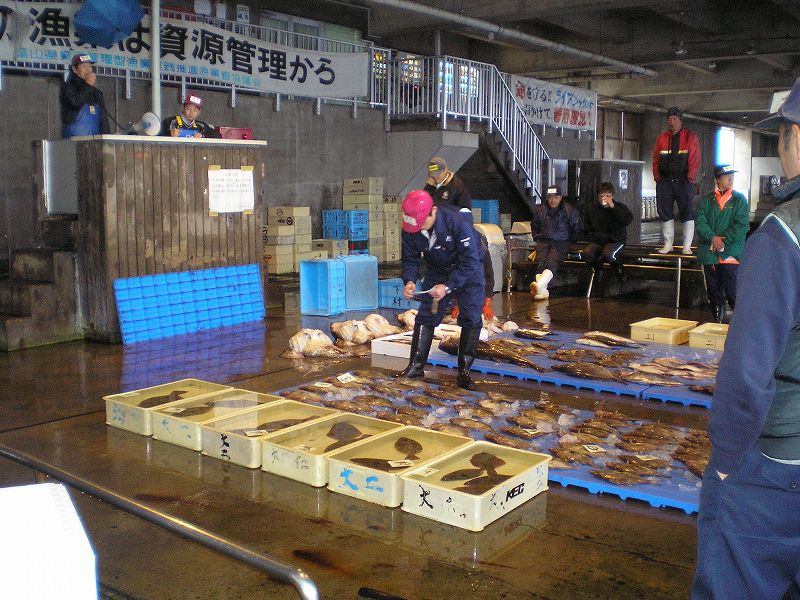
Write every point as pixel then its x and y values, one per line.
pixel 781 62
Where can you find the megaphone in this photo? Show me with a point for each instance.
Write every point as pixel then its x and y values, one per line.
pixel 149 124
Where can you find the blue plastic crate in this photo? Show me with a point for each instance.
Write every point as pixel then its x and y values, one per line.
pixel 390 295
pixel 322 287
pixel 361 282
pixel 163 305
pixel 490 210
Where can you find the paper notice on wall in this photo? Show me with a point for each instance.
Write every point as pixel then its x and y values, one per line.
pixel 230 190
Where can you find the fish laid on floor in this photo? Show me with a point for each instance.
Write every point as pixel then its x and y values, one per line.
pixel 163 399
pixel 609 339
pixel 471 424
pixel 619 477
pixel 703 389
pixel 450 428
pixel 505 440
pixel 576 354
pixel 424 401
pixel 495 350
pixel 303 396
pixel 398 418
pixel 646 378
pixel 586 370
pixel 312 343
pixel 521 432
pixel 373 400
pixel 532 334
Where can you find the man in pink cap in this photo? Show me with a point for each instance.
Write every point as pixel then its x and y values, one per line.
pixel 450 248
pixel 187 124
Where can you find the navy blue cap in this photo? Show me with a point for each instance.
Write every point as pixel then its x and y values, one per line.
pixel 553 190
pixel 789 110
pixel 674 111
pixel 721 170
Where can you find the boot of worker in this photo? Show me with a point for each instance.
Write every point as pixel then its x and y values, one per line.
pixel 534 284
pixel 668 233
pixel 488 310
pixel 541 286
pixel 420 348
pixel 688 234
pixel 467 348
pixel 718 312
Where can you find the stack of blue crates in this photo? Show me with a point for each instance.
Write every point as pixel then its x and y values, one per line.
pixel 390 295
pixel 350 225
pixel 333 225
pixel 322 287
pixel 167 304
pixel 490 210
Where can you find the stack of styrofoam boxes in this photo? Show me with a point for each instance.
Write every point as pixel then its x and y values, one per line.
pixel 287 238
pixel 392 220
pixel 366 194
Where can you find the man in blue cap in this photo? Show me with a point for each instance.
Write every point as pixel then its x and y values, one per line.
pixel 82 106
pixel 748 530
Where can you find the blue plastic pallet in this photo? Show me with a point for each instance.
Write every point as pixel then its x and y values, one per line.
pixel 168 304
pixel 682 395
pixel 659 496
pixel 440 358
pixel 322 287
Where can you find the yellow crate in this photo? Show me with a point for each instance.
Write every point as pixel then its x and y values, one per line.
pixel 709 335
pixel 662 330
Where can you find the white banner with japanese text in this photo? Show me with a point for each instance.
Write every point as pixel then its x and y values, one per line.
pixel 43 32
pixel 555 104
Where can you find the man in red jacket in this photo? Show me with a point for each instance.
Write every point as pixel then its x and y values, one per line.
pixel 676 161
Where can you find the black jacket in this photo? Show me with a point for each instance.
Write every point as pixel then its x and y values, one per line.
pixel 203 128
pixel 452 191
pixel 74 93
pixel 606 225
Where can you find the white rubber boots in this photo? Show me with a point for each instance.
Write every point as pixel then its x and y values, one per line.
pixel 544 278
pixel 688 234
pixel 668 234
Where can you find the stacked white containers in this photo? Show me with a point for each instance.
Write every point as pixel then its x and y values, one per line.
pixel 392 220
pixel 367 194
pixel 287 238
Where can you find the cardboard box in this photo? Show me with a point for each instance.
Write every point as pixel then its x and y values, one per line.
pixel 280 266
pixel 302 225
pixel 319 254
pixel 392 203
pixel 370 202
pixel 278 252
pixel 303 240
pixel 279 240
pixel 300 257
pixel 662 330
pixel 378 253
pixel 278 230
pixel 301 249
pixel 391 245
pixel 364 185
pixel 334 248
pixel 287 211
pixel 391 255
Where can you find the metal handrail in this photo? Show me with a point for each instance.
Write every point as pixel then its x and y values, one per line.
pixel 298 578
pixel 446 86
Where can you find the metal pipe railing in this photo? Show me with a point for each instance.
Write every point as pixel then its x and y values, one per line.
pixel 298 578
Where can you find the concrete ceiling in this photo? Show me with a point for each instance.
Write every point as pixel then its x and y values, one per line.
pixel 720 59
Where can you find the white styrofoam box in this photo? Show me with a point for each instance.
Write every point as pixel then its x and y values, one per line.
pixel 363 185
pixel 278 230
pixel 709 335
pixel 301 453
pixel 301 224
pixel 427 495
pixel 238 438
pixel 288 211
pixel 380 486
pixel 399 344
pixel 370 202
pixel 45 551
pixel 133 410
pixel 179 423
pixel 333 247
pixel 459 546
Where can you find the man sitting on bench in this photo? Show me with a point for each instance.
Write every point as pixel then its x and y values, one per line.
pixel 605 223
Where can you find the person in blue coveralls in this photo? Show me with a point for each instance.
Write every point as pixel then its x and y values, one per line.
pixel 748 528
pixel 448 244
pixel 81 101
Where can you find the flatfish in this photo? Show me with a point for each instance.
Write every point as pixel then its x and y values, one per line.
pixel 610 339
pixel 576 354
pixel 284 423
pixel 486 460
pixel 193 411
pixel 650 461
pixel 163 399
pixel 703 389
pixel 471 424
pixel 424 401
pixel 488 480
pixel 575 453
pixel 409 447
pixel 302 396
pixel 381 464
pixel 410 410
pixel 586 370
pixel 618 477
pixel 462 474
pixel 505 440
pixel 521 432
pixel 495 350
pixel 445 395
pixel 450 428
pixel 373 400
pixel 646 378
pixel 532 334
pixel 398 418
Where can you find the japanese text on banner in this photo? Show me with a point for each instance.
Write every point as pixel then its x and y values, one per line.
pixel 556 105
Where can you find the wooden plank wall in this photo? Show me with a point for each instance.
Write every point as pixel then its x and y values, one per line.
pixel 143 210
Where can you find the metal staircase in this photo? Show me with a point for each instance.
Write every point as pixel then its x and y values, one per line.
pixel 444 87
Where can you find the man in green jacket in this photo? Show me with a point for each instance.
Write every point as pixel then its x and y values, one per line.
pixel 722 220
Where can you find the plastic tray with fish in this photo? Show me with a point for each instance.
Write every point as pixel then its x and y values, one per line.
pixel 372 469
pixel 237 438
pixel 301 453
pixel 662 330
pixel 133 410
pixel 476 485
pixel 179 423
pixel 462 547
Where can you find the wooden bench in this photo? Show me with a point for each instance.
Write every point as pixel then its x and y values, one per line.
pixel 641 261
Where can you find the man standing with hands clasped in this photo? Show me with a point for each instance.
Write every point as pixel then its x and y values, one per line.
pixel 81 101
pixel 448 244
pixel 723 218
pixel 748 529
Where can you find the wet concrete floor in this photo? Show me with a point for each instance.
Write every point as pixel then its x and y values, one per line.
pixel 565 543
